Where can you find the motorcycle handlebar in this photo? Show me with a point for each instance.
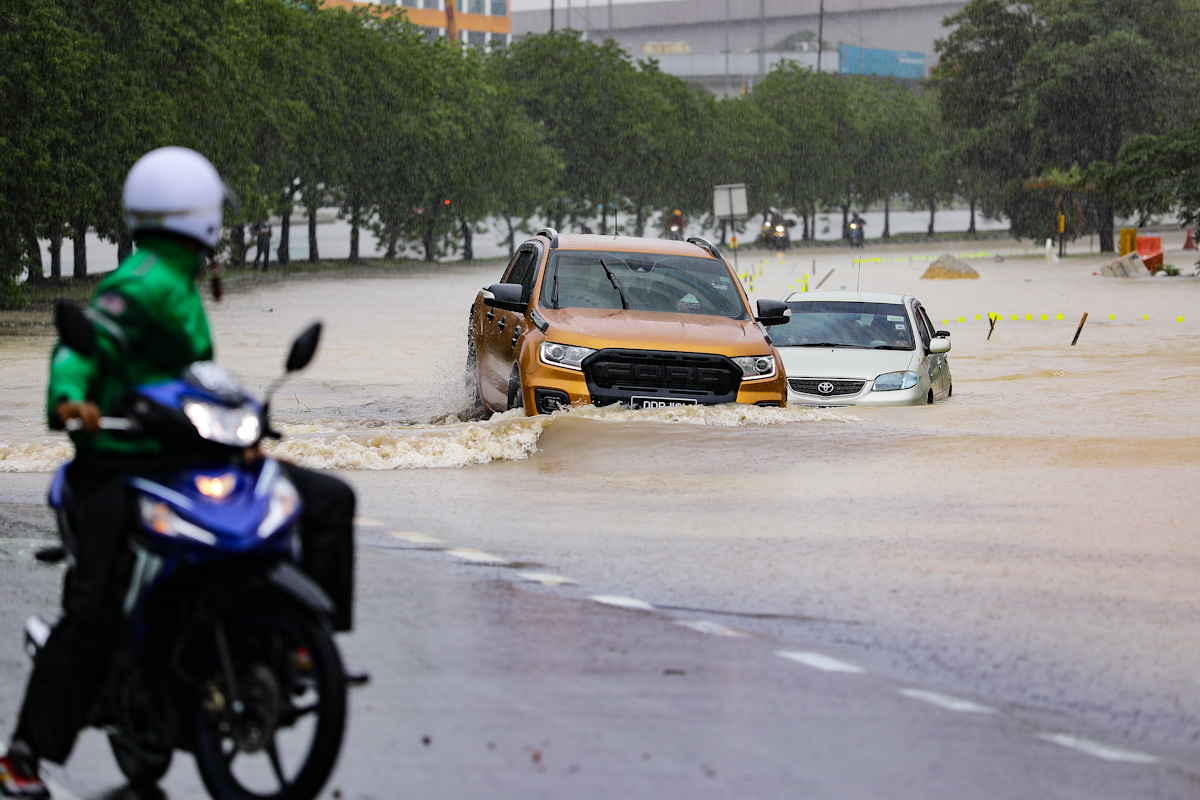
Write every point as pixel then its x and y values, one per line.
pixel 106 424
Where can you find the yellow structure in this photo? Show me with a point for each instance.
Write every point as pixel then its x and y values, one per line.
pixel 482 23
pixel 1128 241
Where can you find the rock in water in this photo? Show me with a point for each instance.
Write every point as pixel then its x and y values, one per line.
pixel 949 267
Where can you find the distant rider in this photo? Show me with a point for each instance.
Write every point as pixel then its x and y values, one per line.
pixel 675 225
pixel 150 325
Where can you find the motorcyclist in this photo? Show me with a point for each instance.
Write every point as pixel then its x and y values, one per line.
pixel 857 226
pixel 150 325
pixel 675 225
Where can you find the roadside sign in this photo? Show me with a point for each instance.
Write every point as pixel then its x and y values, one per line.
pixel 729 201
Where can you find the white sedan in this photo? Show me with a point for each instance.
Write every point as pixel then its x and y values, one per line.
pixel 862 349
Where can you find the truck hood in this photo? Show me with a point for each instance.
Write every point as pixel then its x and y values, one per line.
pixel 648 330
pixel 845 362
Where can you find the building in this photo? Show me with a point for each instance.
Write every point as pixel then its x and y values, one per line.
pixel 480 23
pixel 728 44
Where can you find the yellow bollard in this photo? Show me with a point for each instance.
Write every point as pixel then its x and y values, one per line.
pixel 1029 317
pixel 1043 318
pixel 1014 316
pixel 960 319
pixel 805 289
pixel 977 317
pixel 1111 317
pixel 1179 319
pixel 1145 317
pixel 1058 317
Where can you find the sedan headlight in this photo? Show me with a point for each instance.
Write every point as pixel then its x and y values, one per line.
pixel 236 427
pixel 892 381
pixel 755 367
pixel 564 355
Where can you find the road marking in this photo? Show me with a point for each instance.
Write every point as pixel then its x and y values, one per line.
pixel 947 702
pixel 57 790
pixel 367 522
pixel 618 601
pixel 415 538
pixel 545 578
pixel 1098 749
pixel 711 628
pixel 818 661
pixel 475 556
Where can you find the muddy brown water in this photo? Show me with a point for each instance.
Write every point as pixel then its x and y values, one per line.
pixel 1032 540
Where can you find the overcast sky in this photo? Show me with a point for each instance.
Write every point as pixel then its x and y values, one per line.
pixel 533 5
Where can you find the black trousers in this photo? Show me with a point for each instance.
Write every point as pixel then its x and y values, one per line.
pixel 69 670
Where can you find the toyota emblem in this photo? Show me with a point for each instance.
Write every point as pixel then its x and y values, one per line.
pixel 825 387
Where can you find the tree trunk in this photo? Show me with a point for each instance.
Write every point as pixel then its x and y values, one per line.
pixel 393 240
pixel 887 218
pixel 283 252
pixel 313 255
pixel 56 243
pixel 812 227
pixel 604 219
pixel 971 227
pixel 124 246
pixel 355 220
pixel 846 221
pixel 932 211
pixel 237 247
pixel 1104 226
pixel 512 236
pixel 468 240
pixel 804 234
pixel 79 234
pixel 428 238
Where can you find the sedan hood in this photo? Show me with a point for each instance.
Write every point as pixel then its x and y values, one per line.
pixel 844 362
pixel 642 330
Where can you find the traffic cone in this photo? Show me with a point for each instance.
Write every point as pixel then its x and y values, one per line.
pixel 1190 243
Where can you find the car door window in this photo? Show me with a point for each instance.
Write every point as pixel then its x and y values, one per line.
pixel 924 327
pixel 523 271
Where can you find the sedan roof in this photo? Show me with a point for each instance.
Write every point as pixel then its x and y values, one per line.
pixel 846 296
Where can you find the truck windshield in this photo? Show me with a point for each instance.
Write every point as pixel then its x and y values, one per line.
pixel 650 282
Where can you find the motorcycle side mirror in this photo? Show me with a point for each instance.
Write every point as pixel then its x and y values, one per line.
pixel 74 328
pixel 304 348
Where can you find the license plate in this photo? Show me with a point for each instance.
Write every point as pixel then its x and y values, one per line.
pixel 659 402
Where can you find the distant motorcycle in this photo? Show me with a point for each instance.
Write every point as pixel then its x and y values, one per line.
pixel 226 645
pixel 675 234
pixel 774 234
pixel 856 233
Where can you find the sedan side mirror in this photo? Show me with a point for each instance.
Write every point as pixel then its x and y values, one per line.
pixel 506 296
pixel 942 334
pixel 773 312
pixel 939 346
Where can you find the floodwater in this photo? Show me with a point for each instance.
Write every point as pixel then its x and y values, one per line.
pixel 1032 540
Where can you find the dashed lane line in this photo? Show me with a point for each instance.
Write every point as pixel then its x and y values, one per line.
pixel 1098 749
pixel 947 702
pixel 546 578
pixel 821 662
pixel 57 790
pixel 711 628
pixel 367 522
pixel 475 556
pixel 414 537
pixel 617 601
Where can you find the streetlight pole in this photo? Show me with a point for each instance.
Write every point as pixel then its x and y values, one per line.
pixel 551 15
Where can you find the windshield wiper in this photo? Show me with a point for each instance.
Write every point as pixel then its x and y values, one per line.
pixel 554 290
pixel 825 344
pixel 890 347
pixel 613 280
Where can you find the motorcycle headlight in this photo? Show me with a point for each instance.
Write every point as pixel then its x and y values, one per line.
pixel 564 355
pixel 893 381
pixel 160 518
pixel 283 505
pixel 756 367
pixel 779 229
pixel 236 427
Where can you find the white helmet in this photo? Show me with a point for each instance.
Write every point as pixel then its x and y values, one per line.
pixel 178 190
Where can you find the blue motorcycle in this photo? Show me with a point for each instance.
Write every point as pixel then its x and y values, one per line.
pixel 226 648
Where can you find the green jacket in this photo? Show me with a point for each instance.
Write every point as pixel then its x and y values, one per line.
pixel 150 325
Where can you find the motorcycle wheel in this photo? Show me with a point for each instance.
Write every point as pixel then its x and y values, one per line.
pixel 142 767
pixel 292 684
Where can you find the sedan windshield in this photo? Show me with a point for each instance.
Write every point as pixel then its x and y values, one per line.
pixel 832 323
pixel 641 282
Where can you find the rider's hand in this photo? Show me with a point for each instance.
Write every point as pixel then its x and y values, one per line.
pixel 86 412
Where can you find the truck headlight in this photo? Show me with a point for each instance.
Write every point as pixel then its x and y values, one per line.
pixel 756 367
pixel 564 355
